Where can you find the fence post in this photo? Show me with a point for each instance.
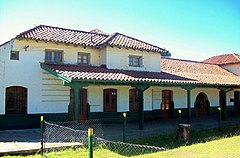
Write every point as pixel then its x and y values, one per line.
pixel 90 143
pixel 41 122
pixel 124 126
pixel 180 117
pixel 219 118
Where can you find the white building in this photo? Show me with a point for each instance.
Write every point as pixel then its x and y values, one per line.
pixel 67 74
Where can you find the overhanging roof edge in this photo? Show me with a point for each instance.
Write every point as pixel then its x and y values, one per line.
pixel 111 82
pixel 65 79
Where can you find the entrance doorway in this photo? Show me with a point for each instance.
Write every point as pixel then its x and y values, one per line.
pixel 82 105
pixel 110 100
pixel 201 104
pixel 167 104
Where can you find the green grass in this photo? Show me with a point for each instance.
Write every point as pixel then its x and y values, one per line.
pixel 203 143
pixel 169 141
pixel 224 148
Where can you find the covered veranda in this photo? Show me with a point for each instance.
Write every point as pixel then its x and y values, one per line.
pixel 79 76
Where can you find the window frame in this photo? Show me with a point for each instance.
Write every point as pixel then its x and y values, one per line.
pixel 17 93
pixel 53 56
pixel 16 53
pixel 81 60
pixel 133 99
pixel 132 61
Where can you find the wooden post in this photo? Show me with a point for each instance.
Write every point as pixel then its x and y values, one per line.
pixel 76 115
pixel 141 109
pixel 124 127
pixel 90 143
pixel 180 117
pixel 41 122
pixel 189 105
pixel 219 118
pixel 188 88
pixel 141 89
pixel 222 100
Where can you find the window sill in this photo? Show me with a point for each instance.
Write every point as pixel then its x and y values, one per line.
pixel 53 62
pixel 136 65
pixel 16 114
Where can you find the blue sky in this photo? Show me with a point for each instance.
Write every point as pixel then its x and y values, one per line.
pixel 189 29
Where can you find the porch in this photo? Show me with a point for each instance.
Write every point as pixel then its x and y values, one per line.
pixel 92 76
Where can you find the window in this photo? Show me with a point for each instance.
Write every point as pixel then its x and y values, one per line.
pixel 83 58
pixel 54 56
pixel 14 55
pixel 135 61
pixel 110 100
pixel 133 100
pixel 166 99
pixel 16 100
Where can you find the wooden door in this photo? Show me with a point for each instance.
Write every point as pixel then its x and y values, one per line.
pixel 167 102
pixel 201 104
pixel 110 100
pixel 82 105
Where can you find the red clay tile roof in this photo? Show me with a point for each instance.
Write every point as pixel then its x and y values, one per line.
pixel 173 72
pixel 94 38
pixel 97 73
pixel 120 40
pixel 201 72
pixel 223 59
pixel 60 35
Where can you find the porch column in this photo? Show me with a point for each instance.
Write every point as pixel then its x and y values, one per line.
pixel 76 86
pixel 75 107
pixel 188 89
pixel 222 102
pixel 236 101
pixel 189 105
pixel 141 89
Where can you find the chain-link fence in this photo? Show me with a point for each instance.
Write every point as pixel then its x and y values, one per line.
pixel 126 149
pixel 107 135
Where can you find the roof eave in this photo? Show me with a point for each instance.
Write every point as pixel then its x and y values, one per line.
pixel 65 79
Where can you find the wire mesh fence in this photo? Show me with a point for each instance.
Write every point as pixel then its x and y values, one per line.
pixel 107 135
pixel 126 149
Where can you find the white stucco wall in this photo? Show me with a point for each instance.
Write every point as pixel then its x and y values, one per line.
pixel 95 97
pixel 212 94
pixel 230 95
pixel 103 56
pixel 2 107
pixel 147 104
pixel 234 68
pixel 179 97
pixel 152 97
pixel 118 59
pixel 46 93
pixel 4 58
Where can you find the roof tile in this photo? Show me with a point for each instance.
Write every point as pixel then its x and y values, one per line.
pixel 95 38
pixel 223 59
pixel 98 73
pixel 202 72
pixel 173 71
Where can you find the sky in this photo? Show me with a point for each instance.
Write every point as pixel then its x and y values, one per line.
pixel 188 29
